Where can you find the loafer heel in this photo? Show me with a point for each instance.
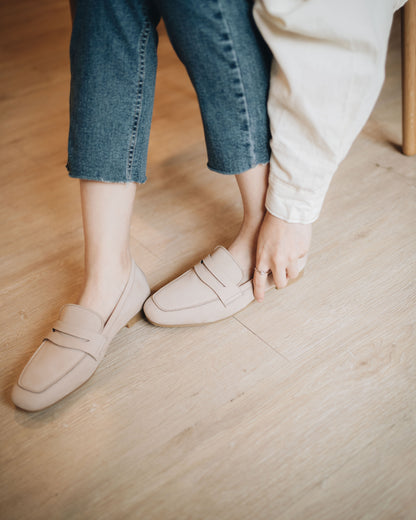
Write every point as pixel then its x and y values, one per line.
pixel 133 321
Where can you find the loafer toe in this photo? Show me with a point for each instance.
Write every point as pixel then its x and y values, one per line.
pixel 211 291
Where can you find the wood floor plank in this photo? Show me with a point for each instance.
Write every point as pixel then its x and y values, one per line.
pixel 367 492
pixel 191 372
pixel 275 457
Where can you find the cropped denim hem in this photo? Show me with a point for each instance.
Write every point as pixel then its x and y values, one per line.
pixel 241 169
pixel 119 180
pixel 237 171
pixel 113 69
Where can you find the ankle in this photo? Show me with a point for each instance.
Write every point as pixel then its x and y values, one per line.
pixel 107 266
pixel 251 223
pixel 248 234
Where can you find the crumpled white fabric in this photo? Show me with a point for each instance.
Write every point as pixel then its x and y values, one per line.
pixel 327 72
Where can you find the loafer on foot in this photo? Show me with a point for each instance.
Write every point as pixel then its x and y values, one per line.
pixel 73 349
pixel 212 290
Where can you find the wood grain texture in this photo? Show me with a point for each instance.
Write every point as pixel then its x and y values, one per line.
pixel 409 76
pixel 300 408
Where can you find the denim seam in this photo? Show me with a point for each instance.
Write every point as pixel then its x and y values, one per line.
pixel 244 97
pixel 144 38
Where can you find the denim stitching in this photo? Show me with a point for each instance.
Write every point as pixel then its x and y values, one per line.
pixel 144 38
pixel 242 94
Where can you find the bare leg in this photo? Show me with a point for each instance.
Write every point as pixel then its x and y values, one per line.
pixel 253 187
pixel 106 212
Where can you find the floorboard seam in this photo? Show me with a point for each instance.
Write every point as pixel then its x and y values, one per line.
pixel 261 339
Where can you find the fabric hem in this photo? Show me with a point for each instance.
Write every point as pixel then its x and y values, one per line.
pixel 239 170
pixel 292 220
pixel 84 177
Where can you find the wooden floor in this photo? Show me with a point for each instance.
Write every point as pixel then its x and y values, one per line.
pixel 302 408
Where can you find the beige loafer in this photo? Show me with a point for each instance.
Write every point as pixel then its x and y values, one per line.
pixel 212 290
pixel 73 349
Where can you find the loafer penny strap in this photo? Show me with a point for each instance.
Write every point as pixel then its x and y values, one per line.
pixel 226 291
pixel 78 338
pixel 217 271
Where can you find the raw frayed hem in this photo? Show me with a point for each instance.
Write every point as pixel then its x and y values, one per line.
pixel 83 177
pixel 88 177
pixel 240 170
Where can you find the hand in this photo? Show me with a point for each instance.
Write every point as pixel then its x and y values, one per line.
pixel 282 248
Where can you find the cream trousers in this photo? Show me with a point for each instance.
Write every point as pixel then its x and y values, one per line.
pixel 327 72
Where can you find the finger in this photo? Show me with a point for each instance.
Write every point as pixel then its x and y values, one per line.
pixel 292 270
pixel 259 283
pixel 279 276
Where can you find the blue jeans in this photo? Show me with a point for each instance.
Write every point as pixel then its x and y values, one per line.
pixel 113 68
